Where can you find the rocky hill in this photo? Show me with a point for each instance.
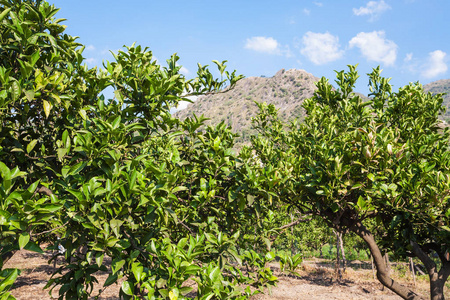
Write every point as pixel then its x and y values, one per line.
pixel 286 90
pixel 441 86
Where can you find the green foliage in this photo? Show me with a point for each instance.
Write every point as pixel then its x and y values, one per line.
pixel 383 162
pixel 7 278
pixel 119 177
pixel 289 263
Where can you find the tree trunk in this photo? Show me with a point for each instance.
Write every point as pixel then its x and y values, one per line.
pixel 338 261
pixel 388 264
pixel 292 240
pixel 437 278
pixel 337 267
pixel 413 272
pixel 341 244
pixel 380 264
pixel 373 267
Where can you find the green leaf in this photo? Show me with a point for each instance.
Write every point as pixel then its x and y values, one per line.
pixel 216 143
pixel 33 187
pixel 4 216
pixel 82 113
pixel 4 171
pixel 112 278
pixel 99 259
pixel 9 279
pixel 115 226
pixel 357 186
pixel 24 238
pixel 34 57
pixel 15 90
pixel 118 95
pixel 185 290
pixel 203 184
pixel 192 269
pixel 270 256
pixel 179 189
pixel 127 288
pixel 116 122
pixel 174 294
pixel 61 153
pixel 445 228
pixel 78 194
pixel 117 265
pixel 137 270
pixel 77 168
pixel 51 207
pixel 31 145
pixel 214 274
pixel 47 107
pixel 3 15
pixel 32 246
pixel 361 202
pixel 29 95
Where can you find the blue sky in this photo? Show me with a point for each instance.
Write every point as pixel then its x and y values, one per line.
pixel 409 39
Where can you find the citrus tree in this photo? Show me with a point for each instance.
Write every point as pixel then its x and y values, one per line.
pixel 165 200
pixel 378 168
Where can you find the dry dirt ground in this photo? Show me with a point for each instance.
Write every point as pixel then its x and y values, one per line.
pixel 316 281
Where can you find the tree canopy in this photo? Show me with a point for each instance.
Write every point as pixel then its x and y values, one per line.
pixel 353 161
pixel 170 201
pixel 118 177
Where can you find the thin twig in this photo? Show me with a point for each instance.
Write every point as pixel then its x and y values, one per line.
pixel 48 231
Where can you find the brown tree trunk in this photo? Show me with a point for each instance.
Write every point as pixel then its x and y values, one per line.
pixel 437 278
pixel 388 264
pixel 373 267
pixel 413 271
pixel 341 244
pixel 340 253
pixel 382 272
pixel 338 261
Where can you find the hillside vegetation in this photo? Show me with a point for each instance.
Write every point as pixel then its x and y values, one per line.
pixel 441 86
pixel 286 90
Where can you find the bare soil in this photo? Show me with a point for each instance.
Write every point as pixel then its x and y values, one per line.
pixel 317 280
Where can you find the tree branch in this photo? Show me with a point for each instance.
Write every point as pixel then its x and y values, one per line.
pixel 48 231
pixel 284 227
pixel 424 258
pixel 382 273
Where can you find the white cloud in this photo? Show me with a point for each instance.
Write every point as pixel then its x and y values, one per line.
pixel 319 4
pixel 375 47
pixel 267 45
pixel 306 11
pixel 263 44
pixel 184 71
pixel 90 60
pixel 408 57
pixel 410 64
pixel 90 48
pixel 321 48
pixel 373 9
pixel 436 64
